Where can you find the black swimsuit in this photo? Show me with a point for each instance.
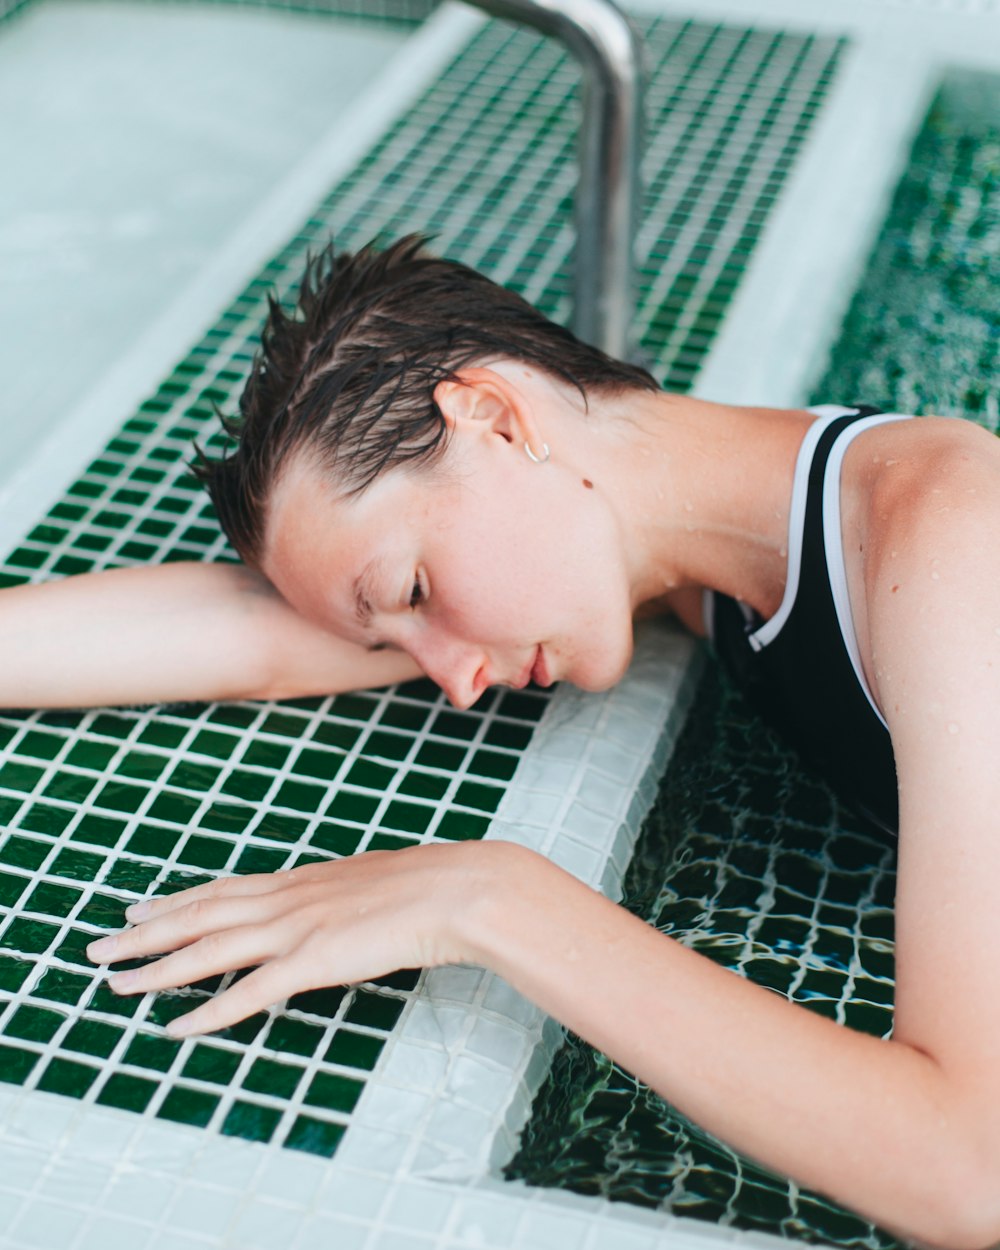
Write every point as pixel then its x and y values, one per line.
pixel 802 668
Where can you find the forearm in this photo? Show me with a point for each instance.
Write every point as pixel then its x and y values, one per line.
pixel 171 633
pixel 876 1125
pixel 168 632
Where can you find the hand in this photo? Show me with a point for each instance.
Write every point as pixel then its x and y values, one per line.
pixel 322 924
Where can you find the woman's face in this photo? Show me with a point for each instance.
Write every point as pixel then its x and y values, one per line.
pixel 487 569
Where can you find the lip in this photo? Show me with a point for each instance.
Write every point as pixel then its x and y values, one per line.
pixel 524 676
pixel 539 670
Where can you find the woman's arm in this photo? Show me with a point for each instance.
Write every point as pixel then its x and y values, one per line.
pixel 171 632
pixel 905 1136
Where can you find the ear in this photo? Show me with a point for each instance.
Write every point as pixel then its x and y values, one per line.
pixel 481 401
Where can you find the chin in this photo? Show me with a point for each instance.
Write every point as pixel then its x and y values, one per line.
pixel 599 678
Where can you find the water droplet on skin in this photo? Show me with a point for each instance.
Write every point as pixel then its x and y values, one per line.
pixel 688 506
pixel 953 727
pixel 935 576
pixel 783 552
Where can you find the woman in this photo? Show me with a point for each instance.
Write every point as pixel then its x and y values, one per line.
pixel 431 478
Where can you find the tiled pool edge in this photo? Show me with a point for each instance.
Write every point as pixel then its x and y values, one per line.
pixel 468 1053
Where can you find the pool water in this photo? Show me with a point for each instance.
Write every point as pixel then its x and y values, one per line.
pixel 147 135
pixel 745 856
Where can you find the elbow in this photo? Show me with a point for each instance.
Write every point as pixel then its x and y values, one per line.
pixel 961 1210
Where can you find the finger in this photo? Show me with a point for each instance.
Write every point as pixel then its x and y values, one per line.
pixel 221 887
pixel 269 984
pixel 177 928
pixel 209 956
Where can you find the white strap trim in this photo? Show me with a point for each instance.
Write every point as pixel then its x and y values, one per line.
pixel 834 543
pixel 796 519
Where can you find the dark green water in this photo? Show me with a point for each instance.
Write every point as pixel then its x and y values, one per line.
pixel 745 857
pixel 752 862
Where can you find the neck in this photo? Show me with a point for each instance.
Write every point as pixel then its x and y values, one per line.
pixel 704 491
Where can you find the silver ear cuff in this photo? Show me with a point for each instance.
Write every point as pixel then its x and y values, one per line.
pixel 538 459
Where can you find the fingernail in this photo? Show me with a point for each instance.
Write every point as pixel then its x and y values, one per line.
pixel 137 911
pixel 123 980
pixel 179 1028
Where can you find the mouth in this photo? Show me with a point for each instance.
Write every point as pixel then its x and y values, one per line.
pixel 536 670
pixel 539 670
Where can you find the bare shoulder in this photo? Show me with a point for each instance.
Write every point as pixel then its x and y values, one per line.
pixel 924 491
pixel 925 520
pixel 931 570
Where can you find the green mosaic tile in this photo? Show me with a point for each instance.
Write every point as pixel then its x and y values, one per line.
pixel 318 1137
pixel 16 1064
pixel 129 1093
pixel 156 1053
pixel 923 331
pixel 12 886
pixel 14 972
pixel 188 1106
pixel 34 1024
pixel 296 1037
pixel 63 1076
pixel 336 1093
pixel 252 1122
pixel 45 818
pixel 266 1076
pixel 29 937
pixel 374 1011
pixel 461 826
pixel 354 1050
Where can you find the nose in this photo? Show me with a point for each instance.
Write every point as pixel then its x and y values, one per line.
pixel 458 667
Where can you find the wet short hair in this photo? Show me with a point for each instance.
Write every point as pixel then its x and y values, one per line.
pixel 348 376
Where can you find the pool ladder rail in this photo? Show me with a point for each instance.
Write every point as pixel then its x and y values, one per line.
pixel 609 51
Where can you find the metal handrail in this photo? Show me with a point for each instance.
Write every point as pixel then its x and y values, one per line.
pixel 603 40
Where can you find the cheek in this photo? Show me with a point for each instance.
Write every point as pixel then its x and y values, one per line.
pixel 530 564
